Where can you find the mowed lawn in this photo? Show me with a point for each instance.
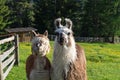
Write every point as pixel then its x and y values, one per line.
pixel 103 61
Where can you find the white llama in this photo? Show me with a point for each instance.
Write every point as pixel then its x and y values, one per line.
pixel 69 62
pixel 37 64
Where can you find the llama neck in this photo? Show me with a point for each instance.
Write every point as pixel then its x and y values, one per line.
pixel 63 56
pixel 39 63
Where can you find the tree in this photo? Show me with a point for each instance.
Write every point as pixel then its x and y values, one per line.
pixel 92 21
pixel 114 20
pixel 4 15
pixel 46 11
pixel 100 18
pixel 21 13
pixel 44 15
pixel 72 9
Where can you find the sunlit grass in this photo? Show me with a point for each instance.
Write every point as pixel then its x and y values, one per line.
pixel 103 61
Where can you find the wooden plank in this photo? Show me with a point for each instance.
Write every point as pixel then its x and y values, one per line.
pixel 17 50
pixel 7 40
pixel 6 53
pixel 8 61
pixel 8 70
pixel 1 69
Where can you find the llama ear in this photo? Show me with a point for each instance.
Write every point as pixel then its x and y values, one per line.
pixel 46 33
pixel 68 23
pixel 57 23
pixel 34 33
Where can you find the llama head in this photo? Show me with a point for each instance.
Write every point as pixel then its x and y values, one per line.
pixel 63 33
pixel 40 44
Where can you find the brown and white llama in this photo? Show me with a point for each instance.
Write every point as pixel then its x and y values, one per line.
pixel 69 62
pixel 37 64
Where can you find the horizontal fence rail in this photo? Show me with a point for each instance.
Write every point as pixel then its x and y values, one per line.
pixel 9 57
pixel 93 39
pixel 7 40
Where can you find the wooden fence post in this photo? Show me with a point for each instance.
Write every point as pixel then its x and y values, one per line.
pixel 17 50
pixel 1 70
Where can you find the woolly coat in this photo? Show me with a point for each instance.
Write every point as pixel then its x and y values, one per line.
pixel 77 69
pixel 30 65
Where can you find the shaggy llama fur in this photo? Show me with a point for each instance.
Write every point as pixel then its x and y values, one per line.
pixel 37 64
pixel 69 62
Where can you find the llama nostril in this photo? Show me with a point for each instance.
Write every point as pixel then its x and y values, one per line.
pixel 61 39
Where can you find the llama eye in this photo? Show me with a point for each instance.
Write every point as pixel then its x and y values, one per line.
pixel 38 44
pixel 68 33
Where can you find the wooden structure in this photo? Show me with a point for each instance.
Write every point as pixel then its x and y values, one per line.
pixel 25 34
pixel 9 57
pixel 92 39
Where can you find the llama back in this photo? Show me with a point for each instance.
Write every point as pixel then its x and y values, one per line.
pixel 78 67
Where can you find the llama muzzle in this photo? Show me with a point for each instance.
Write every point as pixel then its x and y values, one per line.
pixel 62 39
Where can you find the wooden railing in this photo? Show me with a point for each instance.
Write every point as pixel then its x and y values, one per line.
pixel 93 39
pixel 10 57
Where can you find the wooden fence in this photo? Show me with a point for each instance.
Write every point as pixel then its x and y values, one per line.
pixel 9 58
pixel 93 39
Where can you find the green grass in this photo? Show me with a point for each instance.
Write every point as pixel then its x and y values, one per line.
pixel 103 61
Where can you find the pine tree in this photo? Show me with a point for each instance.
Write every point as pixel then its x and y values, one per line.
pixel 48 10
pixel 44 15
pixel 101 18
pixel 4 15
pixel 21 13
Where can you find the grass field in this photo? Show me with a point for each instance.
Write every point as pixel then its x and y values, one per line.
pixel 103 61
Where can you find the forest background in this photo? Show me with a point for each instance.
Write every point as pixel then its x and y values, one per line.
pixel 91 18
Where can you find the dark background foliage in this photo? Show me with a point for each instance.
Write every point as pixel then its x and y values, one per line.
pixel 90 17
